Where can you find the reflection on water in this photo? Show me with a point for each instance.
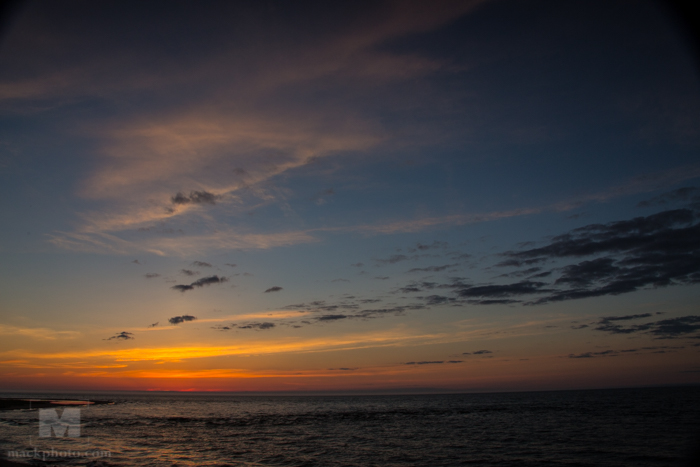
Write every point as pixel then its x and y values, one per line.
pixel 597 428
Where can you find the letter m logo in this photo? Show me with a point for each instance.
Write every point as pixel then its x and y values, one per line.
pixel 68 421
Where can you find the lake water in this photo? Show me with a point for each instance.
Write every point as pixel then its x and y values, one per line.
pixel 619 427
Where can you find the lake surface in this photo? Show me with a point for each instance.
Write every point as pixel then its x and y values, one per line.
pixel 618 427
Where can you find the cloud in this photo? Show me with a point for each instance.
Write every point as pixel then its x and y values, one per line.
pixel 189 272
pixel 321 197
pixel 396 310
pixel 641 234
pixel 393 259
pixel 478 352
pixel 208 281
pixel 160 230
pixel 195 197
pixel 223 239
pixel 507 290
pixel 181 319
pixel 424 247
pixel 201 264
pixel 331 317
pixel 230 265
pixel 667 347
pixel 343 369
pixel 605 353
pixel 153 325
pixel 187 143
pixel 640 184
pixel 457 256
pixel 200 283
pixel 37 333
pixel 670 328
pixel 202 143
pixel 689 193
pixel 436 244
pixel 675 327
pixel 435 362
pixel 273 289
pixel 357 265
pixel 349 307
pixel 434 268
pixel 151 275
pixel 504 301
pixel 525 272
pixel 93 238
pixel 260 326
pixel 122 335
pixel 607 319
pixel 417 225
pixel 615 353
pixel 659 250
pixel 438 300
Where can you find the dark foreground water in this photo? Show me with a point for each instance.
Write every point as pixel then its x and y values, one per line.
pixel 622 427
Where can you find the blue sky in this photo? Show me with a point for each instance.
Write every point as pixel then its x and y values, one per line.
pixel 364 185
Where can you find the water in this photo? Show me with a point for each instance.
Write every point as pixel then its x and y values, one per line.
pixel 621 427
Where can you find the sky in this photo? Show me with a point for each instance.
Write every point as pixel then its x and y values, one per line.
pixel 485 195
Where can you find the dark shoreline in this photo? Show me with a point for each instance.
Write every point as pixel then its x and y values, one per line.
pixel 6 463
pixel 31 403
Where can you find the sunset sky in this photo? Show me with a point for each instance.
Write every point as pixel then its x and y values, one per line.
pixel 357 196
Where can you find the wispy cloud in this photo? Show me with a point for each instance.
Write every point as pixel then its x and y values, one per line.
pixel 434 268
pixel 94 236
pixel 659 250
pixel 258 326
pixel 670 328
pixel 689 193
pixel 181 319
pixel 637 351
pixel 369 340
pixel 645 183
pixel 204 281
pixel 418 225
pixel 37 333
pixel 188 156
pixel 273 314
pixel 195 197
pixel 182 246
pixel 478 352
pixel 393 259
pixel 125 336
